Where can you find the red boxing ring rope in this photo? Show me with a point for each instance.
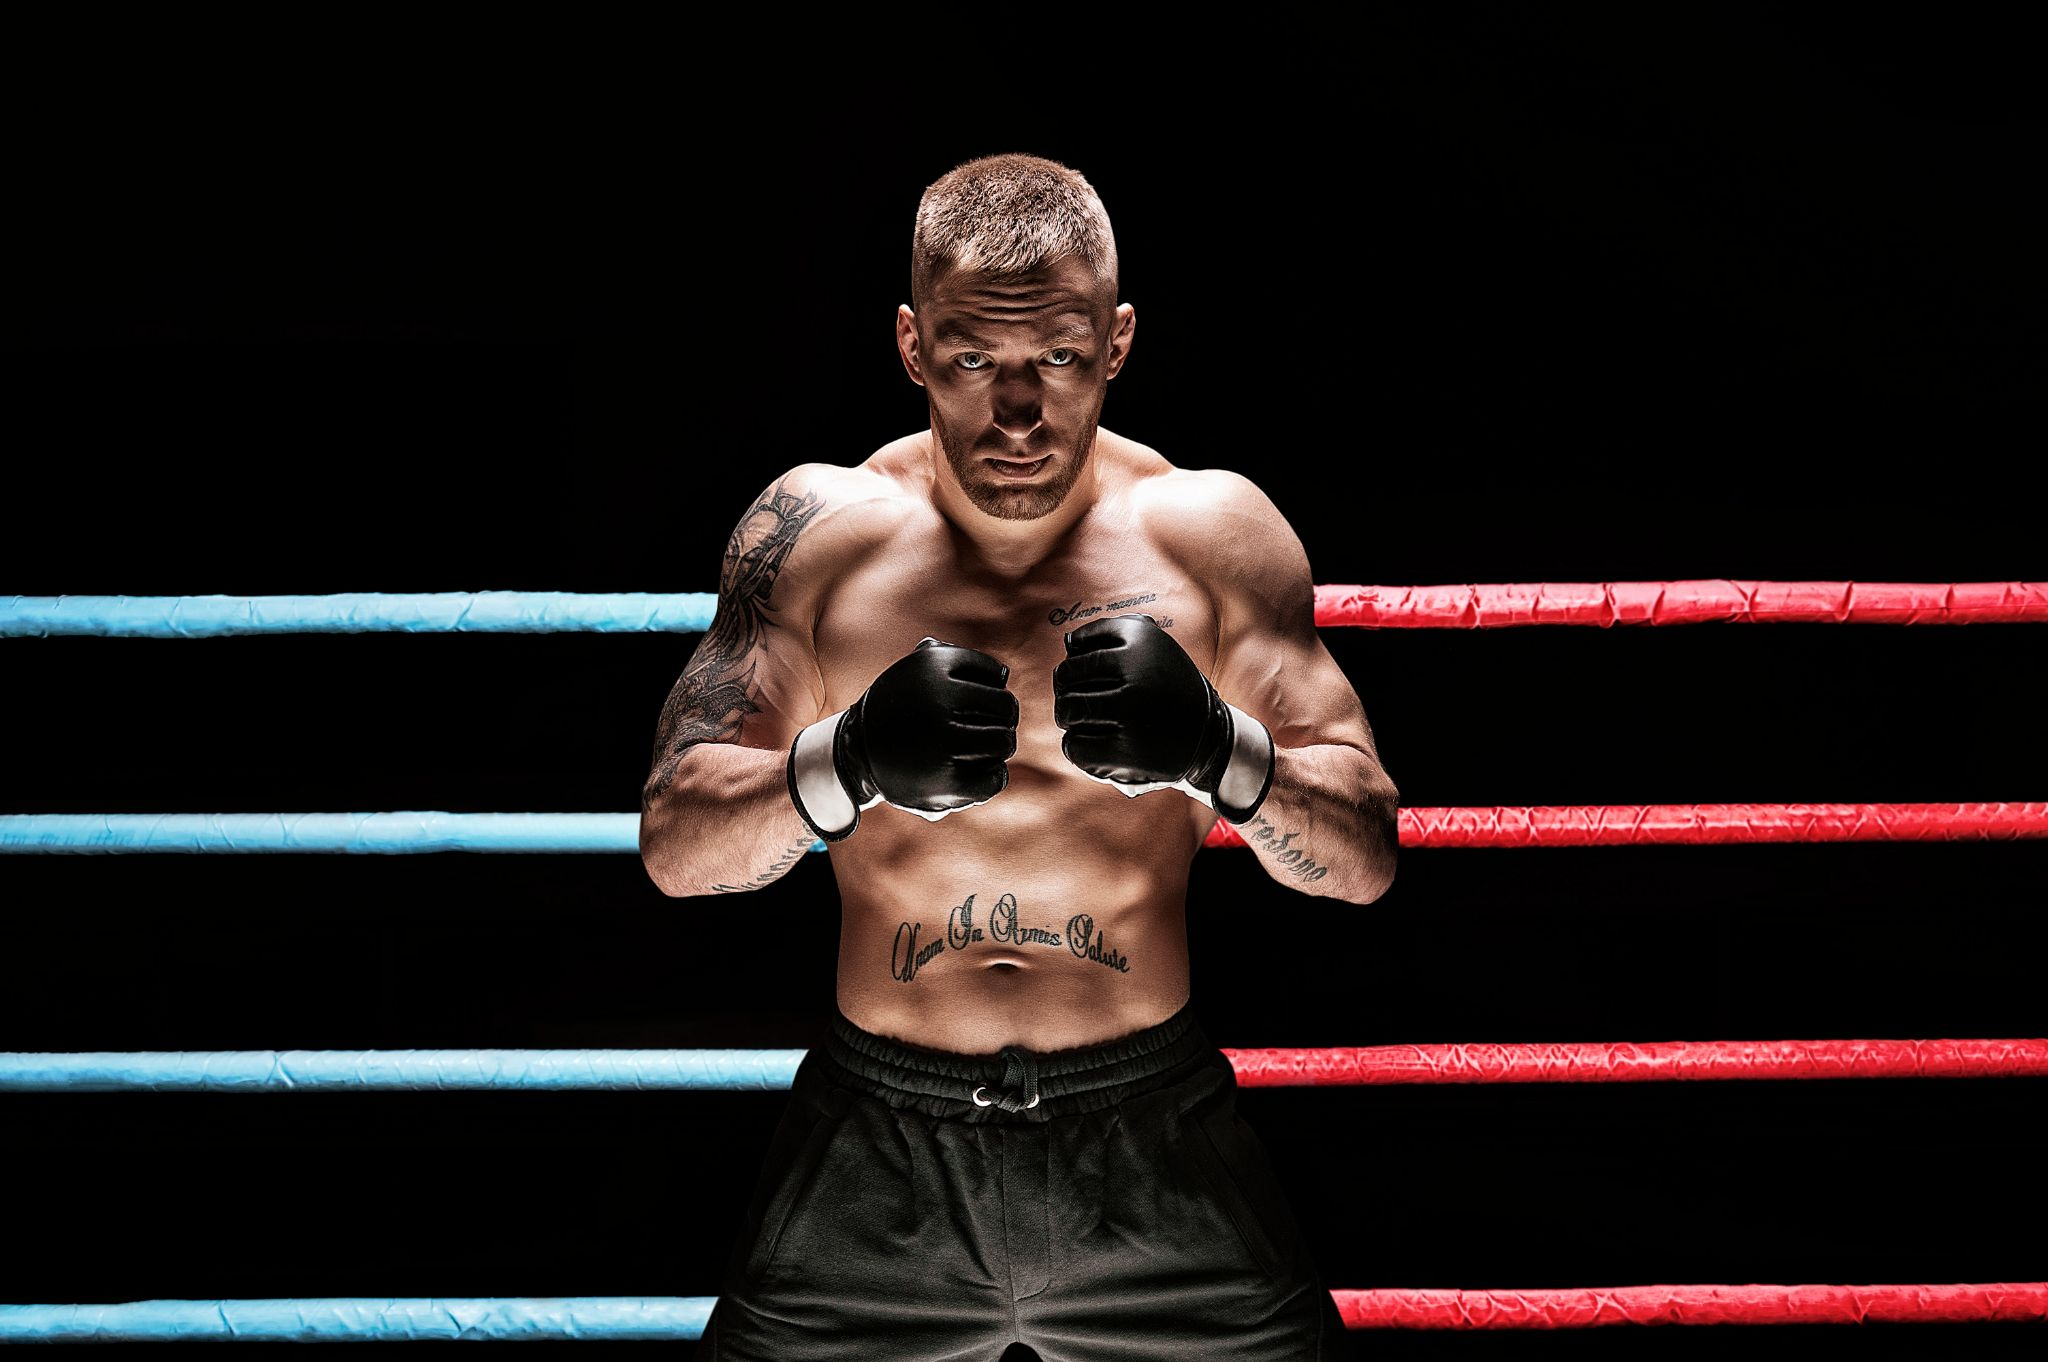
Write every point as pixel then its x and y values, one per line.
pixel 1610 825
pixel 1588 1307
pixel 1605 604
pixel 1669 603
pixel 1641 1062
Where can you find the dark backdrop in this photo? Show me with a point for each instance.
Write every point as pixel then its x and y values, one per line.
pixel 1475 298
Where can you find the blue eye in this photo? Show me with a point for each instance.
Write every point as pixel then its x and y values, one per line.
pixel 1070 361
pixel 971 355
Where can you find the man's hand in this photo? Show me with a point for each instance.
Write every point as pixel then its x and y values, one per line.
pixel 1139 714
pixel 932 735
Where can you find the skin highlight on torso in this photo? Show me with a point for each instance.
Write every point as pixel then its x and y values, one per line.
pixel 1053 915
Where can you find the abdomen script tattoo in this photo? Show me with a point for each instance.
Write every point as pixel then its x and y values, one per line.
pixel 907 955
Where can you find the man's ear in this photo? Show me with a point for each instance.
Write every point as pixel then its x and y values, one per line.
pixel 906 343
pixel 1123 324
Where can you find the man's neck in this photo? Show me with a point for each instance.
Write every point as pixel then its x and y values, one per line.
pixel 1012 548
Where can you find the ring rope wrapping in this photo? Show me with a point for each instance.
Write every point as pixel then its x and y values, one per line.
pixel 1468 606
pixel 682 1318
pixel 1461 606
pixel 753 1070
pixel 412 831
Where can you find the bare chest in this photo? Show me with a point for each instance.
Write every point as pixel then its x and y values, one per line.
pixel 877 612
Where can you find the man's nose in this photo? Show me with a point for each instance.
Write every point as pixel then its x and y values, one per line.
pixel 1017 410
pixel 1018 423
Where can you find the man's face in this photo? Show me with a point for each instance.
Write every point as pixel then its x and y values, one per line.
pixel 1015 374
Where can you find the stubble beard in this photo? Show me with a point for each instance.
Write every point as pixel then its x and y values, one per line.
pixel 995 496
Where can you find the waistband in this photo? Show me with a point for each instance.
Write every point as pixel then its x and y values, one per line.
pixel 1018 1083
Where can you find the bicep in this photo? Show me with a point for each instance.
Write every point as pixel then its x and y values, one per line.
pixel 1271 659
pixel 1289 681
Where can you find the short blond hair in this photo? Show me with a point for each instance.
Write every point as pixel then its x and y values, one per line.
pixel 1009 215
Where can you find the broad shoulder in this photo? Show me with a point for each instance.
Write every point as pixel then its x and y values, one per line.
pixel 844 500
pixel 1221 525
pixel 814 521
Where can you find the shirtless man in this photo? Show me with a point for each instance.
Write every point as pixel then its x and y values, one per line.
pixel 1011 669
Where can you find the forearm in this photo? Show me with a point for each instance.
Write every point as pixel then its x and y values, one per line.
pixel 1328 824
pixel 722 822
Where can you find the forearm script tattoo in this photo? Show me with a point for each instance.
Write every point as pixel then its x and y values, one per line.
pixel 907 956
pixel 713 697
pixel 1266 837
pixel 773 872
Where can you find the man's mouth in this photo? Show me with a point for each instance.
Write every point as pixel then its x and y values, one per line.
pixel 1011 468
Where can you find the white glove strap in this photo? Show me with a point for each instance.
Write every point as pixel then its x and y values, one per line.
pixel 818 785
pixel 817 781
pixel 1249 756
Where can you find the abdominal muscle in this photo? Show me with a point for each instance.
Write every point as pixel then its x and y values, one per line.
pixel 1049 918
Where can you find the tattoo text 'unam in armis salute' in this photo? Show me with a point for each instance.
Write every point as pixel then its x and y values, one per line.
pixel 907 957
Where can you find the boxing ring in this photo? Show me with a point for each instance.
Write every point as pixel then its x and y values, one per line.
pixel 680 1318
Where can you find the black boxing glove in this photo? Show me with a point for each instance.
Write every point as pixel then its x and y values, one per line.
pixel 932 735
pixel 1139 715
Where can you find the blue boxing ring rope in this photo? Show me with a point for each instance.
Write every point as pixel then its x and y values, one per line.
pixel 339 1319
pixel 398 832
pixel 363 612
pixel 398 1070
pixel 343 1320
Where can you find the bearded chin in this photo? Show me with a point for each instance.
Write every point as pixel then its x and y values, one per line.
pixel 994 496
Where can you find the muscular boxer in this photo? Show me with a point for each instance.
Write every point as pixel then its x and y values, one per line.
pixel 1011 669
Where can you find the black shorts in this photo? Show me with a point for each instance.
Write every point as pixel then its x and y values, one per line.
pixel 1101 1204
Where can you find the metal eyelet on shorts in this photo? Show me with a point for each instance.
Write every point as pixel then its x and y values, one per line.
pixel 979 1102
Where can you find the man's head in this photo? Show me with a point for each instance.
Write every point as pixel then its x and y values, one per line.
pixel 1013 328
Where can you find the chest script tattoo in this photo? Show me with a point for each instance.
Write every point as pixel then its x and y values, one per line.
pixel 713 697
pixel 907 956
pixel 1077 611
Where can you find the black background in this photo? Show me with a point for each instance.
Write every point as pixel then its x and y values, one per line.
pixel 1475 296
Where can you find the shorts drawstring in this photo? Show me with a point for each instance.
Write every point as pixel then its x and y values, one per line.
pixel 1019 1087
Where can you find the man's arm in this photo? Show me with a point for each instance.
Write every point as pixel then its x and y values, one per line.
pixel 715 812
pixel 1328 825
